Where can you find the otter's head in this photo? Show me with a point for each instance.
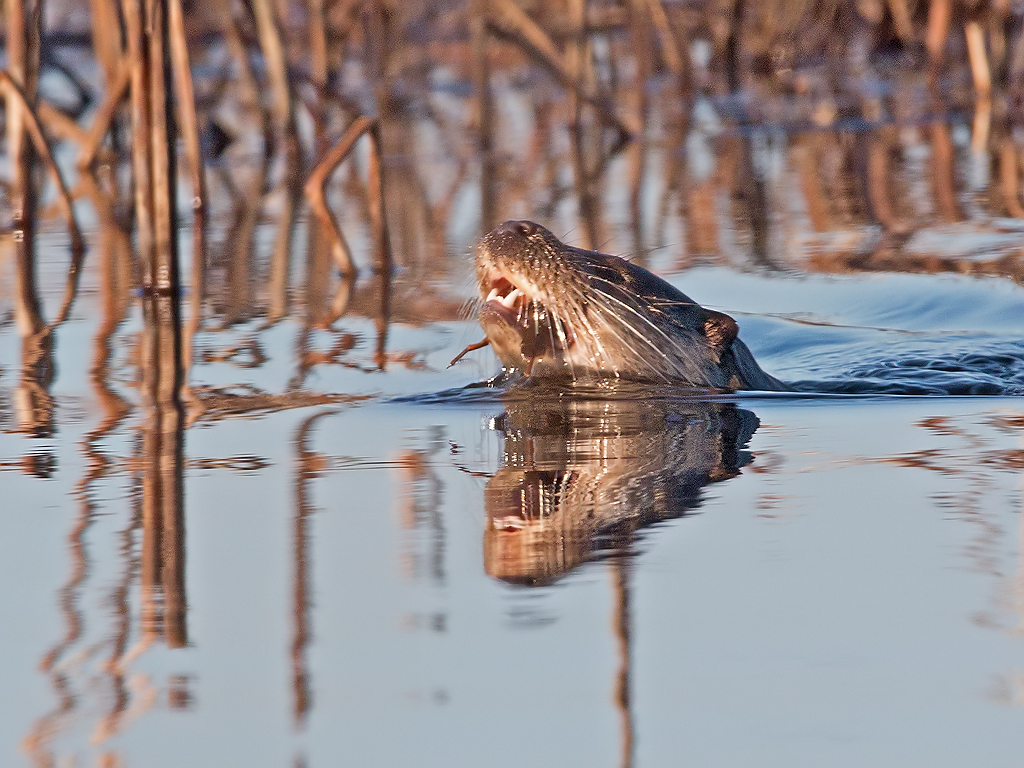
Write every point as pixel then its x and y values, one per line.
pixel 550 309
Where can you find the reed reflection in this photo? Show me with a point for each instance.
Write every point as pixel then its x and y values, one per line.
pixel 163 505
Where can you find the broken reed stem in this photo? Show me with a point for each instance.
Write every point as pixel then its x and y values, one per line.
pixel 59 124
pixel 31 122
pixel 318 65
pixel 316 194
pixel 101 124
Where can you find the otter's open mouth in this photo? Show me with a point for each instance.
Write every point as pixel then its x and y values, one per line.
pixel 505 294
pixel 539 328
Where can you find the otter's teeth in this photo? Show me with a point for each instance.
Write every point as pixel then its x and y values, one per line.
pixel 492 295
pixel 510 300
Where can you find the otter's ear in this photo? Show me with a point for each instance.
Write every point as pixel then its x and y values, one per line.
pixel 720 329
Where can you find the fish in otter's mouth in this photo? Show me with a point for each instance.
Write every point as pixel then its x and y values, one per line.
pixel 552 310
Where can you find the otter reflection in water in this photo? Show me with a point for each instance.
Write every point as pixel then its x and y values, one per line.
pixel 553 311
pixel 580 476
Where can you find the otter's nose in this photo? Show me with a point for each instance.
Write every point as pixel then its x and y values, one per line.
pixel 517 228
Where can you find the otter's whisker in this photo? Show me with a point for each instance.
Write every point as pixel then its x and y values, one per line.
pixel 640 357
pixel 551 340
pixel 637 313
pixel 594 336
pixel 682 349
pixel 558 323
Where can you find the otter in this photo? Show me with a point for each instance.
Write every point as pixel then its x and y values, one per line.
pixel 554 311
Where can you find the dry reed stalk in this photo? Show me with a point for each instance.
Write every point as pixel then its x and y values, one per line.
pixel 14 95
pixel 377 43
pixel 138 65
pixel 189 123
pixel 982 125
pixel 236 47
pixel 639 39
pixel 978 58
pixel 318 61
pixel 732 47
pixel 316 193
pixel 341 18
pixel 508 20
pixel 670 49
pixel 578 63
pixel 577 56
pixel 22 36
pixel 483 117
pixel 375 193
pixel 117 85
pixel 162 149
pixel 106 37
pixel 901 19
pixel 277 70
pixel 939 13
pixel 32 316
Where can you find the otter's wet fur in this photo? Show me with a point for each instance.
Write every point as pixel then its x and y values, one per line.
pixel 552 310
